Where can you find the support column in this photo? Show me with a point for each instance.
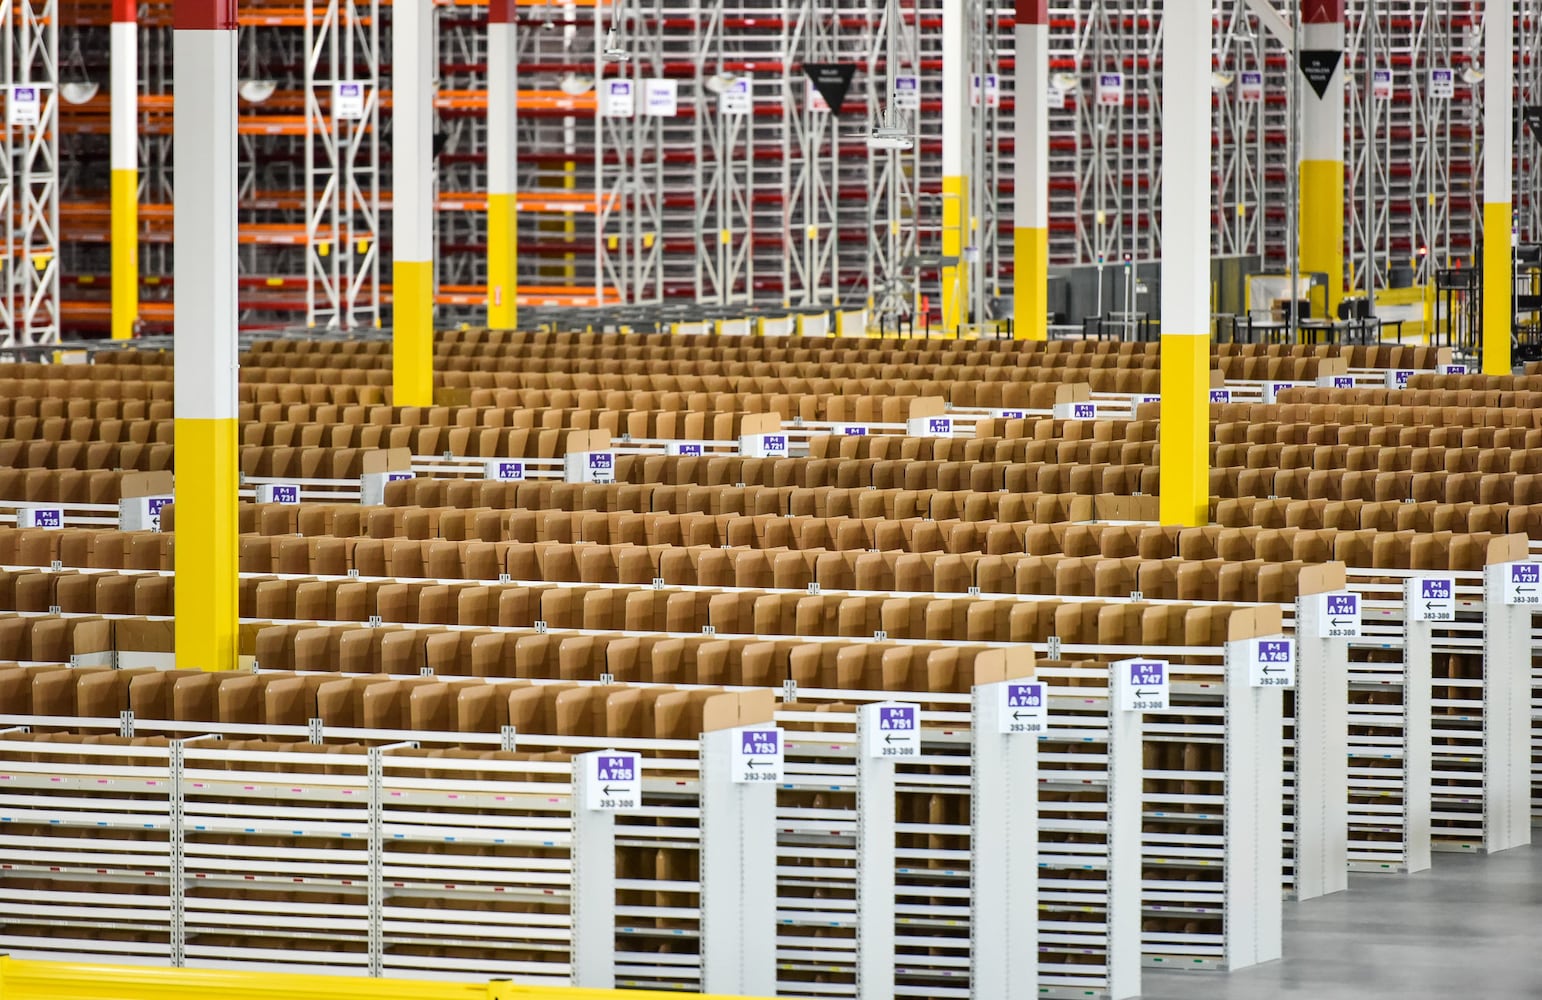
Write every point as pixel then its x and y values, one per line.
pixel 1498 149
pixel 204 144
pixel 502 159
pixel 1322 145
pixel 1030 233
pixel 412 193
pixel 1185 423
pixel 956 143
pixel 125 168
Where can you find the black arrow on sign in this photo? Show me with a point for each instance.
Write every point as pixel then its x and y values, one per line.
pixel 1343 621
pixel 611 791
pixel 890 738
pixel 1018 716
pixel 1143 694
pixel 1429 606
pixel 1524 590
pixel 760 763
pixel 1274 670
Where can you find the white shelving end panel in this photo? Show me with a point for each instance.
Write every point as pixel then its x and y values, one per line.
pixel 738 858
pixel 1254 819
pixel 886 733
pixel 593 907
pixel 1009 717
pixel 1324 624
pixel 1126 816
pixel 1511 593
pixel 1417 725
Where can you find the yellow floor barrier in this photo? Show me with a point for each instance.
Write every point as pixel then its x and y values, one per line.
pixel 22 979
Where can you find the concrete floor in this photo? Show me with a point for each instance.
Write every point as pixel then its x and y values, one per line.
pixel 1468 929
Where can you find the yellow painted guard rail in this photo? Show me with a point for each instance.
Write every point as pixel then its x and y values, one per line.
pixel 29 980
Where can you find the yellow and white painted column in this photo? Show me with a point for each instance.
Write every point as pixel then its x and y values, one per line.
pixel 125 168
pixel 208 470
pixel 1498 148
pixel 1030 232
pixel 956 143
pixel 502 157
pixel 412 195
pixel 1184 436
pixel 1322 150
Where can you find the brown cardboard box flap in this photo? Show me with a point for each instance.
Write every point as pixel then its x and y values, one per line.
pixel 1073 392
pixel 142 635
pixel 996 665
pixel 590 440
pixel 1108 507
pixel 927 406
pixel 145 484
pixel 760 423
pixel 1506 548
pixel 1259 620
pixel 1321 579
pixel 387 460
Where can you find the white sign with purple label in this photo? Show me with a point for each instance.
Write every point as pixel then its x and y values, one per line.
pixel 763 445
pixel 348 100
pixel 593 467
pixel 25 106
pixel 48 518
pixel 853 430
pixel 1431 599
pixel 1271 663
pixel 1110 89
pixel 1272 390
pixel 1085 410
pixel 1250 86
pixel 617 99
pixel 1381 84
pixel 758 755
pixel 1141 685
pixel 891 729
pixel 612 781
pixel 1024 707
pixel 505 471
pixel 141 513
pixel 1007 414
pixel 929 427
pixel 907 93
pixel 1523 583
pixel 1442 83
pixel 661 98
pixel 278 493
pixel 1398 378
pixel 1338 615
pixel 1453 369
pixel 682 448
pixel 1337 381
pixel 736 98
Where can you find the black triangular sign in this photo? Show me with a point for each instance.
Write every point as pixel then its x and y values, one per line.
pixel 832 80
pixel 1317 65
pixel 1533 115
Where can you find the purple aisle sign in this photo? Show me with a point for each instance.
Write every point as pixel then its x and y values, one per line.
pixel 758 756
pixel 612 782
pixel 939 425
pixel 1338 616
pixel 1271 663
pixel 1142 685
pixel 1023 708
pixel 1523 583
pixel 1431 599
pixel 891 730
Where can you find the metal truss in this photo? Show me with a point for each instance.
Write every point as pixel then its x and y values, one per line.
pixel 893 175
pixel 1241 124
pixel 29 177
pixel 630 156
pixel 342 164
